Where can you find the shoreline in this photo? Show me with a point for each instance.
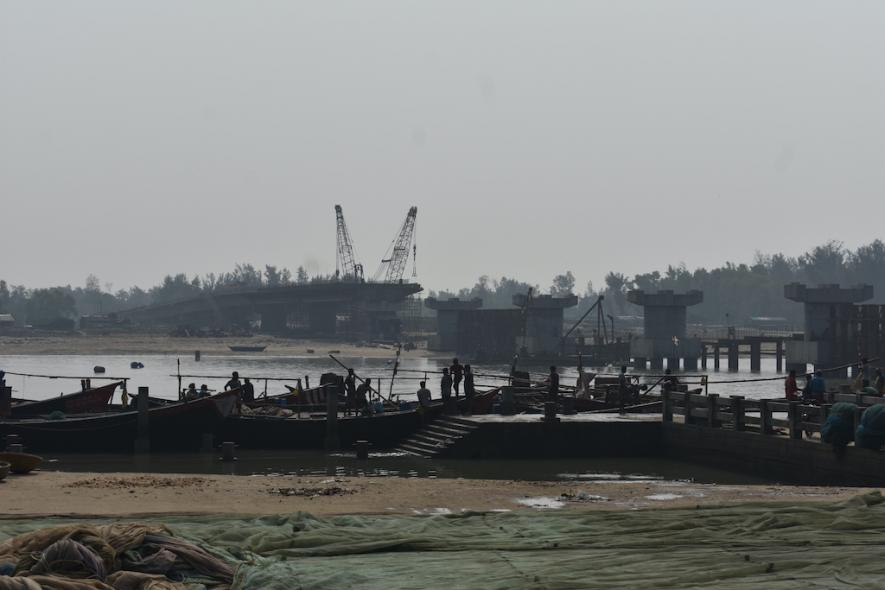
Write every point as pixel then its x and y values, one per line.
pixel 141 343
pixel 68 494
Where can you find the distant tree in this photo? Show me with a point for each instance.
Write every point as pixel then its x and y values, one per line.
pixel 47 305
pixel 285 276
pixel 4 297
pixel 563 284
pixel 301 276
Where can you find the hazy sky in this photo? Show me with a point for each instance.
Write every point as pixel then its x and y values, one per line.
pixel 140 138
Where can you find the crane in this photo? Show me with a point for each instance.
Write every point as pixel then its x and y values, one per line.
pixel 393 265
pixel 346 261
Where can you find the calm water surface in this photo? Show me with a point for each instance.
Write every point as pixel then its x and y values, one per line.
pixel 159 373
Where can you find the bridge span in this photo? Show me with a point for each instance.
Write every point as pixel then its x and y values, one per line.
pixel 342 309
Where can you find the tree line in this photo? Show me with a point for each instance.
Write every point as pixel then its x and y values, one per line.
pixel 733 292
pixel 740 290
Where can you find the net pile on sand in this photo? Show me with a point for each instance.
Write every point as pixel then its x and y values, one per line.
pixel 767 545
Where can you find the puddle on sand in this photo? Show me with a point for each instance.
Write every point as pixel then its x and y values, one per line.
pixel 541 502
pixel 664 497
pixel 432 511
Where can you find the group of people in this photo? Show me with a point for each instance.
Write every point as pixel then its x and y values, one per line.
pixel 816 387
pixel 451 380
pixel 356 397
pixel 247 389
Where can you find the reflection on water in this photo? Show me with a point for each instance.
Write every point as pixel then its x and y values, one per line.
pixel 159 373
pixel 302 463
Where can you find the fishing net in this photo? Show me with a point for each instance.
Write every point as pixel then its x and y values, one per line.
pixel 838 430
pixel 750 546
pixel 871 432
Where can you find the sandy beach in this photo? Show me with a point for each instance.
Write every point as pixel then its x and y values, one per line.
pixel 77 343
pixel 118 494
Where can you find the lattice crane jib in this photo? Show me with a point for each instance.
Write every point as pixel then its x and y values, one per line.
pixel 393 267
pixel 345 262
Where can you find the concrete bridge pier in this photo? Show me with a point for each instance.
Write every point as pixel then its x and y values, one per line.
pixel 716 353
pixel 755 356
pixel 690 363
pixel 733 357
pixel 656 363
pixel 704 357
pixel 673 363
pixel 779 356
pixel 640 363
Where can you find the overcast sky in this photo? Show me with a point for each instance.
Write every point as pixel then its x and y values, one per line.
pixel 145 138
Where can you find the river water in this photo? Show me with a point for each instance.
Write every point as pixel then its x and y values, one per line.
pixel 160 373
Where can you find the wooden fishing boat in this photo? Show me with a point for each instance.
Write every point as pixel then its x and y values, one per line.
pixel 384 430
pixel 92 400
pixel 247 348
pixel 176 426
pixel 20 463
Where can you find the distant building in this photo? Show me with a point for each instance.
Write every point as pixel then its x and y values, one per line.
pixel 7 322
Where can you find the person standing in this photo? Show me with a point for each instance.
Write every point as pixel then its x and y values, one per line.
pixel 248 391
pixel 469 390
pixel 623 389
pixel 424 395
pixel 553 385
pixel 879 383
pixel 817 387
pixel 362 397
pixel 445 389
pixel 350 392
pixel 791 388
pixel 457 370
pixel 234 382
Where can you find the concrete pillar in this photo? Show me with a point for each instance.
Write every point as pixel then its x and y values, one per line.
pixel 703 359
pixel 691 363
pixel 362 449
pixel 755 356
pixel 716 357
pixel 143 433
pixel 779 356
pixel 656 364
pixel 733 357
pixel 640 363
pixel 673 363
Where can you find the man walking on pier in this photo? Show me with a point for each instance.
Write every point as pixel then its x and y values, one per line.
pixel 445 390
pixel 349 392
pixel 457 370
pixel 468 389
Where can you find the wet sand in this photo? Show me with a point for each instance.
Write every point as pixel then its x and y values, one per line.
pixel 163 344
pixel 117 494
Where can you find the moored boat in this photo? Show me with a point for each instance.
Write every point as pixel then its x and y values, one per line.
pixel 91 400
pixel 176 426
pixel 247 348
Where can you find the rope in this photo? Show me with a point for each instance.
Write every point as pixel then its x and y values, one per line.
pixel 93 377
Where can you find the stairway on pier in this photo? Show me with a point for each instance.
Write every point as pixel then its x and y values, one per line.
pixel 436 437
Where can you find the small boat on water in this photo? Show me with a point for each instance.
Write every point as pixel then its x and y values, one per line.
pixel 247 348
pixel 91 400
pixel 177 426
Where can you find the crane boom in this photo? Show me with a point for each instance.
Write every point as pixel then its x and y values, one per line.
pixel 393 266
pixel 346 260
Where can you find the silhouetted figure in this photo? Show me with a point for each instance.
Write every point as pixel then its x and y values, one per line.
pixel 878 383
pixel 248 391
pixel 204 390
pixel 362 397
pixel 469 390
pixel 350 392
pixel 791 387
pixel 191 392
pixel 817 387
pixel 445 386
pixel 457 370
pixel 424 395
pixel 234 382
pixel 623 389
pixel 553 385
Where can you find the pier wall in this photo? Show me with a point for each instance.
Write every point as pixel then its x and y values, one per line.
pixel 776 458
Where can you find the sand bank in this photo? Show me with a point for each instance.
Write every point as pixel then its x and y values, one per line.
pixel 117 494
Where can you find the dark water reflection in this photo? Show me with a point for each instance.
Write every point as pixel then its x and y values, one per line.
pixel 269 463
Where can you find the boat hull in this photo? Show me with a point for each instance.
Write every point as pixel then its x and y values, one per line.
pixel 174 427
pixel 82 402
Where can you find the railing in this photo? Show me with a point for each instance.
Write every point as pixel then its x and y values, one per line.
pixel 764 416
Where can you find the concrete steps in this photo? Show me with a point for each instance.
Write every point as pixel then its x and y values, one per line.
pixel 435 438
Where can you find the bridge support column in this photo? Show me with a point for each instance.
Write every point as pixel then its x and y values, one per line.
pixel 734 355
pixel 691 363
pixel 703 358
pixel 640 363
pixel 716 357
pixel 656 363
pixel 755 357
pixel 779 356
pixel 673 363
pixel 273 319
